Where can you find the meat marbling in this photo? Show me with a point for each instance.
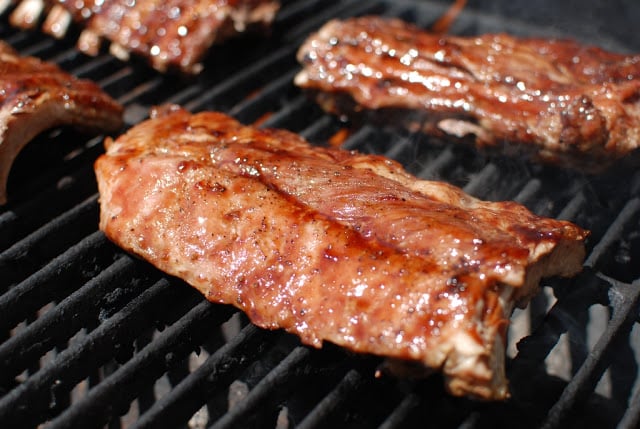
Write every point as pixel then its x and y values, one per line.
pixel 331 245
pixel 553 100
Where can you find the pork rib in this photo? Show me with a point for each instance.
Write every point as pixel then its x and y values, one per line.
pixel 36 95
pixel 174 34
pixel 554 100
pixel 329 244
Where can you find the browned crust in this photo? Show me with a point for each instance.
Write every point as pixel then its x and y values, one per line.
pixel 173 35
pixel 36 96
pixel 331 245
pixel 556 100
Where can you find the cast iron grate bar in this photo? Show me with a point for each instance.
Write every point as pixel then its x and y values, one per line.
pixel 249 109
pixel 119 83
pixel 435 169
pixel 55 280
pixel 591 370
pixel 20 38
pixel 398 417
pixel 68 59
pixel 576 205
pixel 529 192
pixel 479 185
pixel 90 351
pixel 252 94
pixel 58 324
pixel 402 151
pixel 218 370
pixel 631 418
pixel 342 9
pixel 259 73
pixel 39 49
pixel 97 66
pixel 628 214
pixel 54 237
pixel 53 199
pixel 245 412
pixel 334 402
pixel 320 130
pixel 584 381
pixel 534 348
pixel 290 115
pixel 119 388
pixel 148 86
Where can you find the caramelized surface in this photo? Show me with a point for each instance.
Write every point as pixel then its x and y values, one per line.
pixel 36 95
pixel 173 34
pixel 331 245
pixel 554 99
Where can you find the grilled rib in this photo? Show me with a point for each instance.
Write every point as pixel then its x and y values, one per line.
pixel 174 34
pixel 553 100
pixel 36 95
pixel 329 244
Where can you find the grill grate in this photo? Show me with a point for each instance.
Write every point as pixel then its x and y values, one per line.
pixel 91 337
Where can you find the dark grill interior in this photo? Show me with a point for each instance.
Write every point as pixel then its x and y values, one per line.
pixel 91 337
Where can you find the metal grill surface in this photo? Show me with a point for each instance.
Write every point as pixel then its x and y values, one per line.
pixel 91 337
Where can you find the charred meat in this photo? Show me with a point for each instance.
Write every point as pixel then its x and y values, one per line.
pixel 36 95
pixel 174 34
pixel 331 245
pixel 554 100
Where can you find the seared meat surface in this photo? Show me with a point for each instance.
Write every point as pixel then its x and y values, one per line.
pixel 329 244
pixel 36 95
pixel 174 34
pixel 554 100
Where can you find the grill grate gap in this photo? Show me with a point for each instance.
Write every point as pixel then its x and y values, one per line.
pixel 64 320
pixel 591 370
pixel 235 88
pixel 342 9
pixel 218 370
pixel 38 248
pixel 251 108
pixel 268 390
pixel 121 386
pixel 335 401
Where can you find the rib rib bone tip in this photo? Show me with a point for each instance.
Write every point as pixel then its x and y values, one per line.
pixel 57 22
pixel 27 14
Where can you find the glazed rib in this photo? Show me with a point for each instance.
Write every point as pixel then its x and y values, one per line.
pixel 553 100
pixel 36 95
pixel 331 245
pixel 173 34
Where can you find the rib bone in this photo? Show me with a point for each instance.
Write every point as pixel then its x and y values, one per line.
pixel 27 14
pixel 57 22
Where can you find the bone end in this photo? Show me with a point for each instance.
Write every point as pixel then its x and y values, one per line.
pixel 27 14
pixel 119 51
pixel 57 22
pixel 89 42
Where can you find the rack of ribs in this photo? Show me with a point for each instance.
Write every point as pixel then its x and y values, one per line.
pixel 551 100
pixel 331 245
pixel 36 95
pixel 174 34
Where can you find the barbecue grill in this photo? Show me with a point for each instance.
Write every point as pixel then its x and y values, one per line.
pixel 93 337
